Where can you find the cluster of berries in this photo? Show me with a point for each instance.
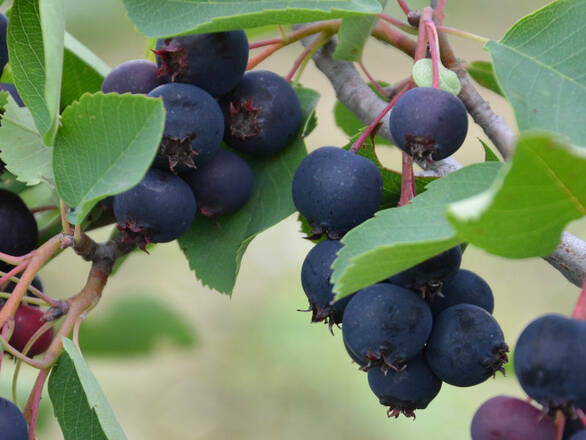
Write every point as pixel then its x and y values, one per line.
pixel 429 324
pixel 208 99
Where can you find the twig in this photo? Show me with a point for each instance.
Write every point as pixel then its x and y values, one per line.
pixel 308 53
pixel 580 309
pixel 373 82
pixel 64 223
pixel 403 5
pixel 31 410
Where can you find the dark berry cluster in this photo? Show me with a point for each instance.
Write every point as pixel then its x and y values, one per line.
pixel 13 425
pixel 430 324
pixel 428 123
pixel 19 236
pixel 208 99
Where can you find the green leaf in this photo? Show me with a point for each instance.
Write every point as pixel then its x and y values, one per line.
pixel 162 18
pixel 483 73
pixel 134 317
pixel 22 147
pixel 523 213
pixel 352 37
pixel 83 71
pixel 398 238
pixel 349 122
pixel 489 155
pixel 35 47
pixel 423 76
pixel 540 66
pixel 214 251
pixel 104 146
pixel 81 408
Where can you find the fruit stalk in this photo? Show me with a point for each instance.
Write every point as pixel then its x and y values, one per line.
pixel 580 309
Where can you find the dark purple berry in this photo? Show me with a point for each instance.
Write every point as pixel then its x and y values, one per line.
pixel 134 76
pixel 3 45
pixel 194 126
pixel 18 227
pixel 465 288
pixel 336 190
pixel 428 123
pixel 215 62
pixel 12 422
pixel 550 361
pixel 353 355
pixel 580 435
pixel 11 88
pixel 159 209
pixel 428 277
pixel 407 389
pixel 509 418
pixel 222 185
pixel 262 113
pixel 466 346
pixel 315 279
pixel 386 325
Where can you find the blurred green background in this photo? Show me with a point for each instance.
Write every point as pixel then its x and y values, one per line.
pixel 251 366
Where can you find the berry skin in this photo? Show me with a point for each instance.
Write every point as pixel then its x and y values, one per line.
pixel 550 359
pixel 221 186
pixel 466 346
pixel 407 389
pixel 159 209
pixel 12 422
pixel 11 88
pixel 18 227
pixel 428 277
pixel 580 435
pixel 262 113
pixel 336 190
pixel 27 320
pixel 3 45
pixel 386 325
pixel 428 123
pixel 465 288
pixel 315 279
pixel 194 126
pixel 134 76
pixel 509 418
pixel 215 62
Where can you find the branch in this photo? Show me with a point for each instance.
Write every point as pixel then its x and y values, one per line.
pixel 570 256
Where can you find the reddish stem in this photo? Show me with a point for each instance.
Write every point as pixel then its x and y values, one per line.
pixel 408 190
pixel 404 7
pixel 581 416
pixel 15 271
pixel 386 33
pixel 358 143
pixel 396 22
pixel 439 11
pixel 15 261
pixel 31 410
pixel 4 333
pixel 421 48
pixel 373 81
pixel 433 45
pixel 44 208
pixel 264 43
pixel 309 49
pixel 560 423
pixel 580 309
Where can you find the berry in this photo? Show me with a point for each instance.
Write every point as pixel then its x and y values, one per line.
pixel 262 114
pixel 134 76
pixel 221 186
pixel 11 285
pixel 386 325
pixel 336 190
pixel 27 320
pixel 3 45
pixel 18 227
pixel 428 123
pixel 466 346
pixel 353 355
pixel 407 389
pixel 11 88
pixel 580 435
pixel 429 276
pixel 159 209
pixel 215 62
pixel 465 288
pixel 509 418
pixel 550 360
pixel 194 127
pixel 12 422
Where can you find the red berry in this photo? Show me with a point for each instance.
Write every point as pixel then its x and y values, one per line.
pixel 27 320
